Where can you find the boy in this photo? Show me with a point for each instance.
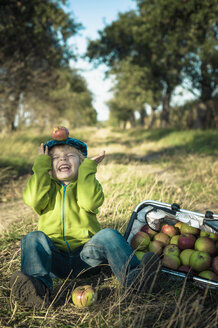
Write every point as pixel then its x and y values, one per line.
pixel 65 193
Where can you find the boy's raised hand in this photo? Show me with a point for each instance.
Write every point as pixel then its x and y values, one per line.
pixel 41 150
pixel 99 158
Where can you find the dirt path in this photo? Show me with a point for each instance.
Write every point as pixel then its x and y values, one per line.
pixel 12 212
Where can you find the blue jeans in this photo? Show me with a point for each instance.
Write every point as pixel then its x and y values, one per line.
pixel 41 259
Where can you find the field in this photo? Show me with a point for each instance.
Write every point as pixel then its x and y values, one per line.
pixel 164 165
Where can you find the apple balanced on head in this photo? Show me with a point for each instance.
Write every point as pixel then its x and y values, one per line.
pixel 59 133
pixel 181 247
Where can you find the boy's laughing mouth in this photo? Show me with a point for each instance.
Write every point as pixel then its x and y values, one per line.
pixel 64 168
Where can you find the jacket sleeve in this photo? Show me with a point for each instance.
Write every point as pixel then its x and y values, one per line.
pixel 36 192
pixel 89 191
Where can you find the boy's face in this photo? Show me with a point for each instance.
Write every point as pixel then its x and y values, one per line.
pixel 65 163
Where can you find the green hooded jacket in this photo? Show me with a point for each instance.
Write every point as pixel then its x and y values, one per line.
pixel 67 213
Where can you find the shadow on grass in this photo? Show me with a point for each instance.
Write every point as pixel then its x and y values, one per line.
pixel 16 167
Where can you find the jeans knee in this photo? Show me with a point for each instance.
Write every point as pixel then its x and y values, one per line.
pixel 108 234
pixel 33 238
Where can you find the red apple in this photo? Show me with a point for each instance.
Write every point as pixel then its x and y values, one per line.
pixel 215 264
pixel 185 256
pixel 186 241
pixel 140 241
pixel 171 250
pixel 160 236
pixel 205 244
pixel 171 261
pixel 208 274
pixel 169 230
pixel 187 229
pixel 60 133
pixel 185 268
pixel 84 296
pixel 156 247
pixel 148 230
pixel 200 261
pixel 174 240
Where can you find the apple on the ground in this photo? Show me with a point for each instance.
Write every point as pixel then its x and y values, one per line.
pixel 186 241
pixel 205 244
pixel 84 296
pixel 200 261
pixel 60 133
pixel 140 241
pixel 160 236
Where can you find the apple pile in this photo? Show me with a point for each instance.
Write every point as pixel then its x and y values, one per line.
pixel 181 247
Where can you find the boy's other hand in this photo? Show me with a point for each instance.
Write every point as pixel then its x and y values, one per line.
pixel 99 158
pixel 41 150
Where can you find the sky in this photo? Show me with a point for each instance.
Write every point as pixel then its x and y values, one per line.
pixel 94 15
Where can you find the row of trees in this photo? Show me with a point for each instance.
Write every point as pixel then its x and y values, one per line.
pixel 154 49
pixel 36 81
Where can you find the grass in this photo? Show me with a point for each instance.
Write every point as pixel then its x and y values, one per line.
pixel 163 165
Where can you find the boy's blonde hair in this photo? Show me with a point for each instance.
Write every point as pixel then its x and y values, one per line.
pixel 71 148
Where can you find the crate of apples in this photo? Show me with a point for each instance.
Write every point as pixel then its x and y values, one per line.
pixel 181 247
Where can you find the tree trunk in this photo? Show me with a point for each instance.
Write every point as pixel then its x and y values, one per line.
pixel 152 117
pixel 132 119
pixel 11 111
pixel 142 117
pixel 165 115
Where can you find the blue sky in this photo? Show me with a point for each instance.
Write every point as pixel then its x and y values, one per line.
pixel 94 15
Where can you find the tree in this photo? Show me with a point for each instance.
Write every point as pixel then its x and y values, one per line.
pixel 166 37
pixel 33 45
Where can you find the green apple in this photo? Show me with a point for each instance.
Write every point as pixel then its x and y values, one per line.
pixel 156 247
pixel 84 296
pixel 174 240
pixel 171 261
pixel 208 274
pixel 205 244
pixel 140 254
pixel 214 236
pixel 185 256
pixel 162 237
pixel 200 261
pixel 185 229
pixel 171 250
pixel 204 233
pixel 140 241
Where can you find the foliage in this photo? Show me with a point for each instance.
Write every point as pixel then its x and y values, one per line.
pixel 34 60
pixel 167 38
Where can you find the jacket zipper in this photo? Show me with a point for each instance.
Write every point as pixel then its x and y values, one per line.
pixel 63 218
